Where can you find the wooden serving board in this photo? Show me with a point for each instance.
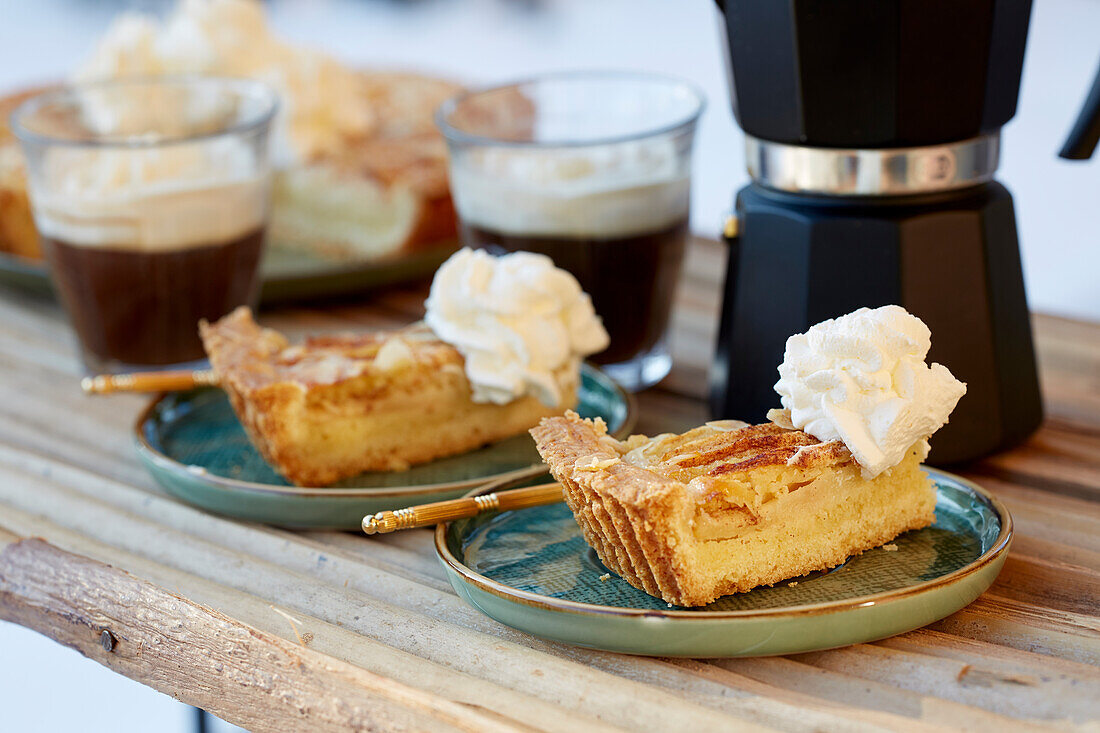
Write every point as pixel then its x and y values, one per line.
pixel 279 630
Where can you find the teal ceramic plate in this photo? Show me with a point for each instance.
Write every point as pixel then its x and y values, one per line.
pixel 531 569
pixel 195 448
pixel 286 275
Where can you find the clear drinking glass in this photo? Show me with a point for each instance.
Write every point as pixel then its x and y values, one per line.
pixel 151 200
pixel 594 170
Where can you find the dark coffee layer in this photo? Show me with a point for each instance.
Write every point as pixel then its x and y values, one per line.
pixel 143 308
pixel 631 279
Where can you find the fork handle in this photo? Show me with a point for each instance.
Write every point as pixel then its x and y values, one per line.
pixel 426 515
pixel 167 381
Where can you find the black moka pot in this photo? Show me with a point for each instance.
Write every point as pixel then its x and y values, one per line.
pixel 872 136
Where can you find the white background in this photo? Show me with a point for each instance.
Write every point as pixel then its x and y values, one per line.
pixel 45 687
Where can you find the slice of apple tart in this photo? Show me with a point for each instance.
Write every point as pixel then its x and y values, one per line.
pixel 338 405
pixel 727 506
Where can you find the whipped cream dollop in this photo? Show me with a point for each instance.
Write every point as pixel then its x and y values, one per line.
pixel 522 324
pixel 862 379
pixel 322 100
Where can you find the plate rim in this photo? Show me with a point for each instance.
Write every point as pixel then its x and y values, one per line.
pixel 150 453
pixel 25 265
pixel 338 268
pixel 999 547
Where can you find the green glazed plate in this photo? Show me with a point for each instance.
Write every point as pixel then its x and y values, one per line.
pixel 195 447
pixel 286 275
pixel 531 569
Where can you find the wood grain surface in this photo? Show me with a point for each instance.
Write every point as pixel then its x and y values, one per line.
pixel 280 630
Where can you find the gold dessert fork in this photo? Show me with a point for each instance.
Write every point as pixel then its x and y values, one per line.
pixel 425 515
pixel 166 381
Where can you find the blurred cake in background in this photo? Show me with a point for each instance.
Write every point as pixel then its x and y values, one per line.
pixel 17 232
pixel 361 169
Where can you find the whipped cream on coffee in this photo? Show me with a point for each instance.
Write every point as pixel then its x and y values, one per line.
pixel 862 379
pixel 321 100
pixel 522 324
pixel 155 200
pixel 601 191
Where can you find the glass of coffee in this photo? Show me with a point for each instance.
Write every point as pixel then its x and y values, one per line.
pixel 151 198
pixel 594 170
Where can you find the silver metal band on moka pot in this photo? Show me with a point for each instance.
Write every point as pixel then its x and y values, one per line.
pixel 872 172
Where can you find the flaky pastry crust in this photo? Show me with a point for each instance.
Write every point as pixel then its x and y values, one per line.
pixel 338 405
pixel 664 512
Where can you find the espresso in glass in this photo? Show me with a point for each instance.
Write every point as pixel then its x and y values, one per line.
pixel 139 302
pixel 631 279
pixel 150 198
pixel 593 170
